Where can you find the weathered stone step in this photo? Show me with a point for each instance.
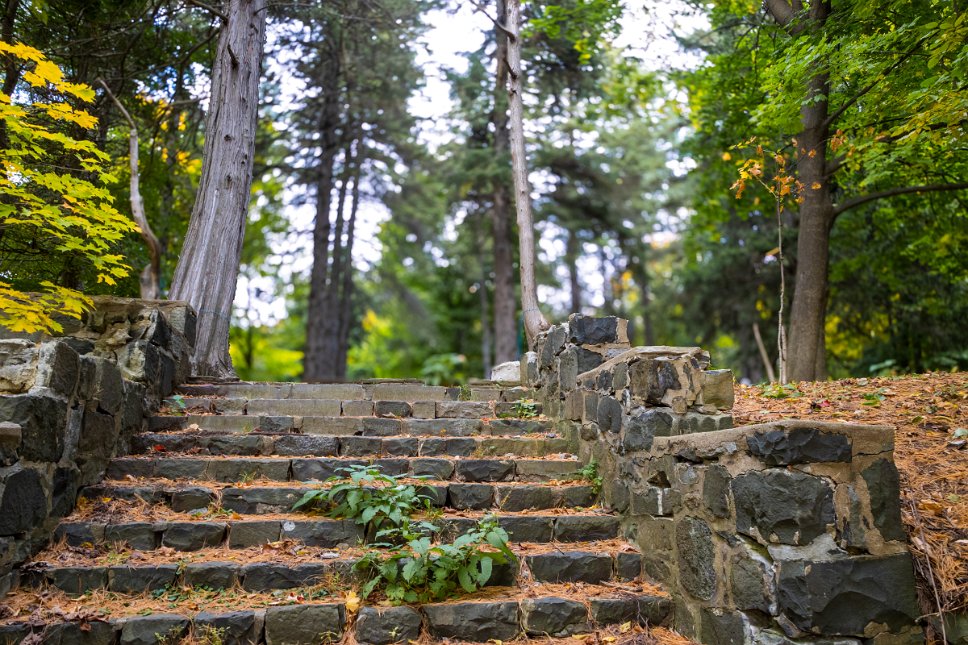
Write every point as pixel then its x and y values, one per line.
pixel 388 391
pixel 195 534
pixel 254 499
pixel 348 426
pixel 263 621
pixel 235 469
pixel 349 408
pixel 305 445
pixel 593 565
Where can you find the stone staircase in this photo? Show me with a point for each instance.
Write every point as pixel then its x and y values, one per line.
pixel 192 536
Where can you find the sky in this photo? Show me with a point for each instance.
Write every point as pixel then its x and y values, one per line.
pixel 648 33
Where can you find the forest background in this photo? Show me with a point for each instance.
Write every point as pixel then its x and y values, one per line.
pixel 670 191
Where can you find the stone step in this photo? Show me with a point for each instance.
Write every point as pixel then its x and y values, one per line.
pixel 193 533
pixel 348 408
pixel 264 619
pixel 256 499
pixel 283 469
pixel 593 564
pixel 348 426
pixel 387 391
pixel 300 445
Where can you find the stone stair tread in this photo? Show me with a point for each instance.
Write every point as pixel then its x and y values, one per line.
pixel 262 617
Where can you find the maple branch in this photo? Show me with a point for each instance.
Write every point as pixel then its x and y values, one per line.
pixel 880 77
pixel 903 190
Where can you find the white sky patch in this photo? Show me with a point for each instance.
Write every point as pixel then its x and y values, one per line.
pixel 648 33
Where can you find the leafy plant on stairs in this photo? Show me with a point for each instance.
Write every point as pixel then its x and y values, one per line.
pixel 421 571
pixel 589 473
pixel 523 409
pixel 371 498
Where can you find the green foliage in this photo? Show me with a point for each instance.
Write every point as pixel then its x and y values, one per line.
pixel 589 473
pixel 48 208
pixel 422 571
pixel 371 498
pixel 778 391
pixel 523 409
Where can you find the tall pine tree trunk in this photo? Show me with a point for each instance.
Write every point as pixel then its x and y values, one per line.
pixel 208 267
pixel 314 362
pixel 505 322
pixel 534 320
pixel 572 252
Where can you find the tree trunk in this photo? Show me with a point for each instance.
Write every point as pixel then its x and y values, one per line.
pixel 534 320
pixel 807 350
pixel 313 362
pixel 208 267
pixel 487 342
pixel 505 322
pixel 346 291
pixel 572 251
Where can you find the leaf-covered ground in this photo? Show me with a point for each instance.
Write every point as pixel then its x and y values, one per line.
pixel 930 413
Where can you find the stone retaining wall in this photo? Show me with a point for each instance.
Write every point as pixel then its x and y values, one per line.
pixel 70 403
pixel 775 533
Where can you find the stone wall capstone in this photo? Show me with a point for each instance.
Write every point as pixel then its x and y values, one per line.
pixel 778 533
pixel 68 403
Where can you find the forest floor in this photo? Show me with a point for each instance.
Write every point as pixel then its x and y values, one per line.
pixel 930 414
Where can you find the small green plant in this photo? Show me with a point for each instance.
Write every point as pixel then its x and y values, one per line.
pixel 465 393
pixel 525 408
pixel 371 498
pixel 874 399
pixel 178 404
pixel 422 571
pixel 778 391
pixel 589 473
pixel 209 635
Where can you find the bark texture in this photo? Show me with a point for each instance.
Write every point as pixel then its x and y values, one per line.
pixel 534 320
pixel 505 322
pixel 807 349
pixel 208 267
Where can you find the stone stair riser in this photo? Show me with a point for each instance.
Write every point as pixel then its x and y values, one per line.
pixel 348 426
pixel 323 533
pixel 307 624
pixel 305 445
pixel 321 468
pixel 255 500
pixel 562 566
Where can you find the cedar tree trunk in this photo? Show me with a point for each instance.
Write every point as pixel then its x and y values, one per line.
pixel 208 267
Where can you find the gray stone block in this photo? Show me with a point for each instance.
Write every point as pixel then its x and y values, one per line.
pixel 851 596
pixel 392 409
pixel 447 446
pixel 303 624
pixel 77 580
pixel 470 496
pixel 373 427
pixel 357 408
pixel 23 500
pixel 694 544
pixel 192 498
pixel 798 445
pixel 146 630
pixel 440 469
pixel 137 535
pixel 485 470
pixel 213 575
pixel 570 566
pixel 297 445
pixel 528 528
pixel 361 446
pixel 582 528
pixel 234 627
pixel 385 625
pixel 247 534
pixel 267 576
pixel 401 446
pixel 552 616
pixel 192 536
pixel 124 579
pixel 781 506
pixel 473 621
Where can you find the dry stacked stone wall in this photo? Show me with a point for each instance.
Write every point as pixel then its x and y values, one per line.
pixel 776 533
pixel 71 402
